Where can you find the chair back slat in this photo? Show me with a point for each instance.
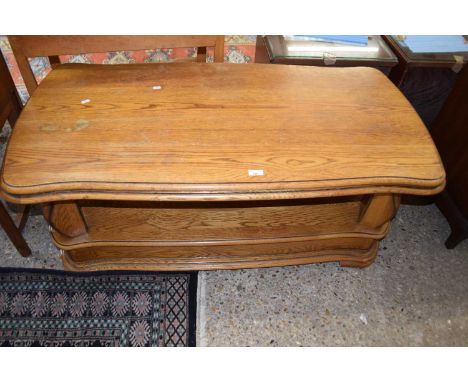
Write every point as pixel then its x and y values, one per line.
pixel 25 47
pixel 10 104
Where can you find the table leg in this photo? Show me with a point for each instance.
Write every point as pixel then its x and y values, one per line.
pixel 378 210
pixel 66 218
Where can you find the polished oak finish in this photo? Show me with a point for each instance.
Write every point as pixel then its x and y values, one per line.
pixel 139 178
pixel 314 132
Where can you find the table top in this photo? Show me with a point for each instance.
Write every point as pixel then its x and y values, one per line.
pixel 376 51
pixel 425 59
pixel 195 131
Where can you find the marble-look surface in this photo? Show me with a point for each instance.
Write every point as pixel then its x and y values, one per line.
pixel 416 292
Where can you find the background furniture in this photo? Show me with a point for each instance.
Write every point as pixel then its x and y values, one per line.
pixel 10 107
pixel 426 79
pixel 25 47
pixel 237 49
pixel 278 50
pixel 450 133
pixel 219 167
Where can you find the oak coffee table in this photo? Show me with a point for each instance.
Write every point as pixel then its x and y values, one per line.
pixel 216 166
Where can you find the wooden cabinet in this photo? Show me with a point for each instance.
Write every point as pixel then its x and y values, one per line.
pixel 426 79
pixel 450 133
pixel 216 166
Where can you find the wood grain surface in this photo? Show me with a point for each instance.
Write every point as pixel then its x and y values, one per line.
pixel 202 223
pixel 348 251
pixel 313 131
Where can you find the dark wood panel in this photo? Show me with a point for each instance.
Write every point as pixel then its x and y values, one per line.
pixel 10 108
pixel 427 89
pixel 450 133
pixel 10 103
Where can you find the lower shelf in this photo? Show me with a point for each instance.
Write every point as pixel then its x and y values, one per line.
pixel 356 252
pixel 97 235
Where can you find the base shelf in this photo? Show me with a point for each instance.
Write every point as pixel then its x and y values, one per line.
pixel 96 235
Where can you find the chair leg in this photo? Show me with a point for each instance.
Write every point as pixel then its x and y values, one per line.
pixel 21 217
pixel 6 222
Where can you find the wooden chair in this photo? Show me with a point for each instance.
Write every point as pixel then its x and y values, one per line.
pixel 25 47
pixel 10 107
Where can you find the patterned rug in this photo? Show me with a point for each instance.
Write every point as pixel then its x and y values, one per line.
pixel 56 308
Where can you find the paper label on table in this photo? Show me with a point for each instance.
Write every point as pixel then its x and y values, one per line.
pixel 329 58
pixel 459 62
pixel 256 172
